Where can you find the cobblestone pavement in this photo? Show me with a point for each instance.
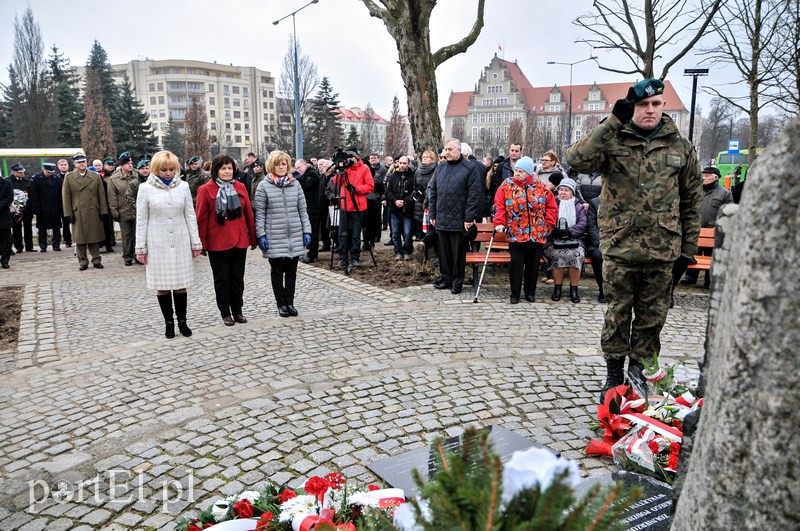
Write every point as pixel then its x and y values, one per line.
pixel 103 417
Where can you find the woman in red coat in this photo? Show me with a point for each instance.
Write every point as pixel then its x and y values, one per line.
pixel 226 224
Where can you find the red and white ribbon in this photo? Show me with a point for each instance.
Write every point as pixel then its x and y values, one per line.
pixel 668 432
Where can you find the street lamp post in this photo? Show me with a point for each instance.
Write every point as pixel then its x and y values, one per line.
pixel 695 73
pixel 298 135
pixel 569 118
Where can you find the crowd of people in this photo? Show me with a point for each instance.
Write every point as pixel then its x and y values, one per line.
pixel 639 227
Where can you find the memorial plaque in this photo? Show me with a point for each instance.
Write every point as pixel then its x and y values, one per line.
pixel 653 511
pixel 396 471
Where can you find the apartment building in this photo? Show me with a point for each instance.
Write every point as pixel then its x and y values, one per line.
pixel 484 116
pixel 239 100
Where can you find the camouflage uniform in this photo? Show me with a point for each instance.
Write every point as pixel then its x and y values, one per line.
pixel 195 179
pixel 649 216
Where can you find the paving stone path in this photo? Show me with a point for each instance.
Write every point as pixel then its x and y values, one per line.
pixel 106 424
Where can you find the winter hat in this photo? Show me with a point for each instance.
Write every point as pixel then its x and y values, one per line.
pixel 568 183
pixel 143 163
pixel 258 163
pixel 193 160
pixel 109 161
pixel 712 169
pixel 49 166
pixel 555 178
pixel 124 158
pixel 525 164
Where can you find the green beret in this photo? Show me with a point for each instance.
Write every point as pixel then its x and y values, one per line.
pixel 142 164
pixel 193 160
pixel 109 161
pixel 647 88
pixel 124 157
pixel 258 163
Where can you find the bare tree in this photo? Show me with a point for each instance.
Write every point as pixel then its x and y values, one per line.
pixel 396 137
pixel 408 23
pixel 786 51
pixel 33 114
pixel 198 142
pixel 716 130
pixel 515 132
pixel 97 137
pixel 308 80
pixel 618 25
pixel 533 143
pixel 459 130
pixel 744 33
pixel 369 132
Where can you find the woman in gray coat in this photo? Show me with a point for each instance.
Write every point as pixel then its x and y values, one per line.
pixel 282 228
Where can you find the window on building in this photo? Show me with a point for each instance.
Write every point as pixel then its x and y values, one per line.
pixel 488 102
pixel 154 127
pixel 266 128
pixel 235 89
pixel 577 134
pixel 229 75
pixel 270 93
pixel 593 107
pixel 238 139
pixel 246 104
pixel 152 100
pixel 246 115
pixel 482 118
pixel 246 139
pixel 161 100
pixel 578 120
pixel 266 117
pixel 227 115
pixel 177 99
pixel 177 114
pixel 237 114
pixel 212 100
pixel 674 116
pixel 245 92
pixel 213 126
pixel 153 113
pixel 514 115
pixel 490 117
pixel 226 89
pixel 212 113
pixel 176 86
pixel 211 87
pixel 160 86
pixel 474 134
pixel 540 121
pixel 158 71
pixel 227 138
pixel 549 121
pixel 237 102
pixel 264 105
pixel 226 102
pixel 152 87
pixel 237 127
pixel 272 105
pixel 164 126
pixel 553 108
pixel 194 87
pixel 498 117
pixel 176 70
pixel 506 116
pixel 162 113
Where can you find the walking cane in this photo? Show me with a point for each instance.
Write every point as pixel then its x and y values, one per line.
pixel 485 261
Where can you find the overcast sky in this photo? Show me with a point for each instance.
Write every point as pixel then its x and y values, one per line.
pixel 353 49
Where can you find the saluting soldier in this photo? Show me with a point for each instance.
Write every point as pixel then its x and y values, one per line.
pixel 649 219
pixel 84 204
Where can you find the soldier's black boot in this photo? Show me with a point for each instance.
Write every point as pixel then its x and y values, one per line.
pixel 165 301
pixel 635 375
pixel 180 313
pixel 556 293
pixel 615 375
pixel 573 294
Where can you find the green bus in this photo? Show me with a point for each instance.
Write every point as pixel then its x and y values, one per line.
pixel 727 163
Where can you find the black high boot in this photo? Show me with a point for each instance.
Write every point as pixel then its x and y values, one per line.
pixel 556 293
pixel 615 376
pixel 165 301
pixel 180 312
pixel 601 298
pixel 573 294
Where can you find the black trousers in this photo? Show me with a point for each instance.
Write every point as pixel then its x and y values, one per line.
pixel 108 229
pixel 66 232
pixel 524 266
pixel 597 266
pixel 313 248
pixel 372 222
pixel 56 241
pixel 283 275
pixel 452 257
pixel 23 231
pixel 5 246
pixel 228 269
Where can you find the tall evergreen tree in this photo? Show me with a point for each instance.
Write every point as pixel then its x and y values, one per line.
pixel 197 140
pixel 174 140
pixel 352 137
pixel 97 138
pixel 33 113
pixel 132 133
pixel 66 96
pixel 325 130
pixel 99 63
pixel 12 98
pixel 396 142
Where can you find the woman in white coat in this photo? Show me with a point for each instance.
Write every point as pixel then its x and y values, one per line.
pixel 167 238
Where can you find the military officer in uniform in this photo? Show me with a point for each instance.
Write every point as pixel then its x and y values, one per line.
pixel 649 219
pixel 84 205
pixel 195 177
pixel 121 211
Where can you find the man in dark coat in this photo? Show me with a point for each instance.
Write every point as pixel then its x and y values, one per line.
pixel 45 202
pixel 399 197
pixel 310 180
pixel 593 245
pixel 63 170
pixel 110 240
pixel 456 196
pixel 373 217
pixel 6 221
pixel 23 228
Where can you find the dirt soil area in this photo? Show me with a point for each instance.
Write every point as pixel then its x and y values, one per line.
pixel 389 273
pixel 9 316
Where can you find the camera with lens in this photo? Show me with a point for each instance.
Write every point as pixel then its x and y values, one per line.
pixel 341 160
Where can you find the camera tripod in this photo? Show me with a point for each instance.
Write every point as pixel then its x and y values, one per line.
pixel 337 236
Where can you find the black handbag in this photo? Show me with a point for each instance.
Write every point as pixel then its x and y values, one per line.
pixel 565 243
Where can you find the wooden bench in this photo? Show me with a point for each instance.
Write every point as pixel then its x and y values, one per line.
pixel 500 254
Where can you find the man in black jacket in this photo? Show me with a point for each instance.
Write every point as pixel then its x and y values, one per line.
pixel 63 170
pixel 456 197
pixel 372 218
pixel 45 201
pixel 399 198
pixel 23 228
pixel 6 198
pixel 310 180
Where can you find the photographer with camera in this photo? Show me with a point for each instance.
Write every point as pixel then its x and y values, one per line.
pixel 353 181
pixel 401 196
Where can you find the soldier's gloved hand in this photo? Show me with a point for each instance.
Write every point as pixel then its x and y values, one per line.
pixel 68 219
pixel 683 262
pixel 623 109
pixel 306 239
pixel 115 218
pixel 262 243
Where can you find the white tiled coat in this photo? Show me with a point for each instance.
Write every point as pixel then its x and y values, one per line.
pixel 166 231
